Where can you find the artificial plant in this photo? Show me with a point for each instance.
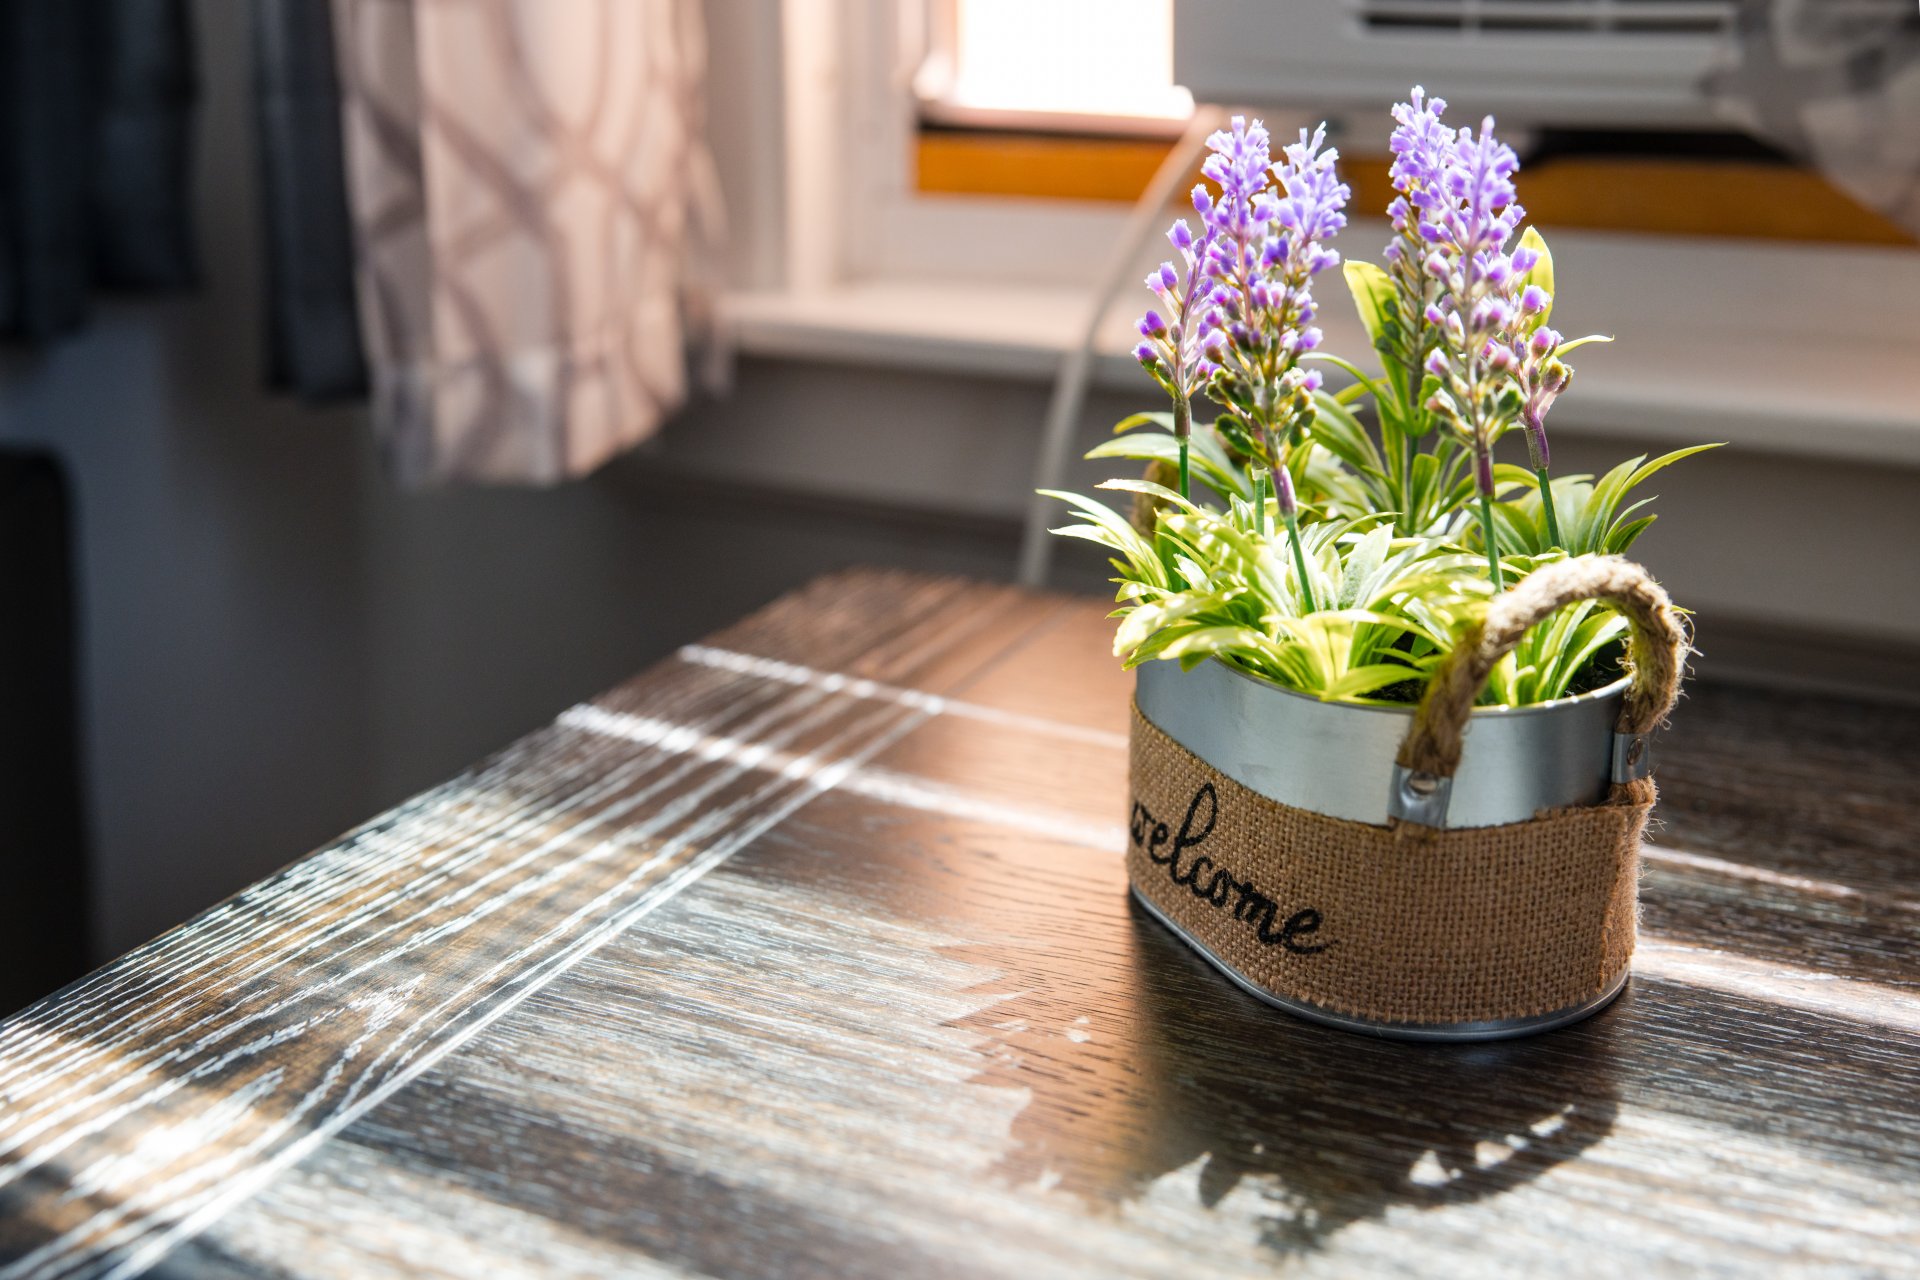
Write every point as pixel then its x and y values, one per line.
pixel 1358 532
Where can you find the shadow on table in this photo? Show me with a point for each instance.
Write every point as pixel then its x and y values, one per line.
pixel 1321 1128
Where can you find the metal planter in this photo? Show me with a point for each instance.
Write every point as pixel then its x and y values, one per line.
pixel 1432 873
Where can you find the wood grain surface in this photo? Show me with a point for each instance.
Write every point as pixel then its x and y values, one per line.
pixel 808 953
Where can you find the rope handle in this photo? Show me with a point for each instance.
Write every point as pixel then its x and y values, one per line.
pixel 1657 651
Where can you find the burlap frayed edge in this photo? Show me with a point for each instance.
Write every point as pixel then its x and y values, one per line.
pixel 1609 911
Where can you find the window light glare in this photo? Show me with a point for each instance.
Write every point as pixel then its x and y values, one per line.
pixel 1074 57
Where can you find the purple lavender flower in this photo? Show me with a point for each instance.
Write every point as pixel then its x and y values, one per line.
pixel 1268 247
pixel 1422 152
pixel 1314 206
pixel 1173 352
pixel 1284 495
pixel 1541 377
pixel 1421 146
pixel 1238 163
pixel 1482 296
pixel 1468 232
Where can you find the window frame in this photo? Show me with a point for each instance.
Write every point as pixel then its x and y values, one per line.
pixel 855 213
pixel 854 220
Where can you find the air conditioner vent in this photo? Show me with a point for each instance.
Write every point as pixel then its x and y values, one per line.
pixel 1550 17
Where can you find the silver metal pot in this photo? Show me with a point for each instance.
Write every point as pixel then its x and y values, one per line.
pixel 1338 759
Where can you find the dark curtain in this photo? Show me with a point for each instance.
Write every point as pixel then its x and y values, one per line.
pixel 43 848
pixel 96 119
pixel 313 330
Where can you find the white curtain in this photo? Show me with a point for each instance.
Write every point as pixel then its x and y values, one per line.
pixel 525 178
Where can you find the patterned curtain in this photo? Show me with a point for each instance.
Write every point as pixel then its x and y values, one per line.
pixel 1837 84
pixel 523 179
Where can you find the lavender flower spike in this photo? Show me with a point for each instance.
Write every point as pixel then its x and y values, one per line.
pixel 1284 496
pixel 1173 352
pixel 1314 207
pixel 1241 154
pixel 1477 280
pixel 1422 150
pixel 1268 246
pixel 1541 377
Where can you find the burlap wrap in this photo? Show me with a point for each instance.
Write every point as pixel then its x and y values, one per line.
pixel 1407 925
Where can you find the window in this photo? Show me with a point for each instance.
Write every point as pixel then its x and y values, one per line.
pixel 866 250
pixel 1075 99
pixel 1099 65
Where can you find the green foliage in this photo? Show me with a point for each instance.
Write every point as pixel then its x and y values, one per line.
pixel 1204 584
pixel 1373 298
pixel 1212 465
pixel 1592 519
pixel 1217 589
pixel 1574 651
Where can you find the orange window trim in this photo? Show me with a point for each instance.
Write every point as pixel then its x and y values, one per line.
pixel 1610 193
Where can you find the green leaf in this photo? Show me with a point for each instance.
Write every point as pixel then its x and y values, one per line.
pixel 1340 433
pixel 1374 299
pixel 1149 488
pixel 1147 619
pixel 1596 514
pixel 1555 655
pixel 1208 460
pixel 1361 681
pixel 1161 419
pixel 1516 532
pixel 1362 563
pixel 1213 455
pixel 1668 459
pixel 1624 536
pixel 1112 530
pixel 1542 272
pixel 1208 640
pixel 1507 475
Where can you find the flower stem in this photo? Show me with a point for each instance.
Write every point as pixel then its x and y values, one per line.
pixel 1300 563
pixel 1409 450
pixel 1493 545
pixel 1410 420
pixel 1260 502
pixel 1546 505
pixel 1183 430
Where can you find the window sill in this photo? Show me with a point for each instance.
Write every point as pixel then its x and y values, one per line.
pixel 1847 394
pixel 992 331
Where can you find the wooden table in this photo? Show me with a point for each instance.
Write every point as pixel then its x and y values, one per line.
pixel 808 953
